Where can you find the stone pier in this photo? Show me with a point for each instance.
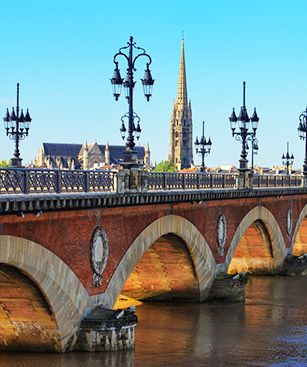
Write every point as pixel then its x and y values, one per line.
pixel 107 330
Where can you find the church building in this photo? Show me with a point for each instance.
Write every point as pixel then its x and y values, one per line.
pixel 86 156
pixel 181 139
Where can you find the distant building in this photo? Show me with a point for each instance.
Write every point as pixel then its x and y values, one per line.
pixel 274 170
pixel 223 169
pixel 219 169
pixel 85 156
pixel 181 140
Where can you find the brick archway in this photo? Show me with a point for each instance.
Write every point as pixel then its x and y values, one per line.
pixel 299 238
pixel 203 260
pixel 263 215
pixel 60 287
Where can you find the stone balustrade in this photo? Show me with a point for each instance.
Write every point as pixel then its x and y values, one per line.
pixel 32 180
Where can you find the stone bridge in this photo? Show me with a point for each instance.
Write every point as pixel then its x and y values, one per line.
pixel 65 251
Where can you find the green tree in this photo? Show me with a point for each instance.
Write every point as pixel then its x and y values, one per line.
pixel 165 166
pixel 3 163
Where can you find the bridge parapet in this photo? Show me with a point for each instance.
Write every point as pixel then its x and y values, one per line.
pixel 190 181
pixel 277 180
pixel 31 180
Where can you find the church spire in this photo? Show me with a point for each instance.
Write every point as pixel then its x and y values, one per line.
pixel 182 96
pixel 181 145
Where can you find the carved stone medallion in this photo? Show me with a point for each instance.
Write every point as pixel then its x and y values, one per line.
pixel 289 221
pixel 99 254
pixel 221 234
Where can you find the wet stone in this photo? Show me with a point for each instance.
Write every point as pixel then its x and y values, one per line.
pixel 295 265
pixel 107 330
pixel 228 288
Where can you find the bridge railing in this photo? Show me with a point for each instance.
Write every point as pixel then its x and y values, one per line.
pixel 189 181
pixel 262 181
pixel 34 180
pixel 25 180
pixel 186 181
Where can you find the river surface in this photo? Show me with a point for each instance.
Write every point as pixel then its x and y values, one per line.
pixel 270 329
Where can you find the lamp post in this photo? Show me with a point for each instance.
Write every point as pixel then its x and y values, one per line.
pixel 302 131
pixel 17 127
pixel 287 160
pixel 255 149
pixel 243 134
pixel 129 83
pixel 203 147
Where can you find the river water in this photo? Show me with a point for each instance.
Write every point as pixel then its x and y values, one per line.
pixel 270 329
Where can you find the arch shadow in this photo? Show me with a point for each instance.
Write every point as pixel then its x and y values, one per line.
pixel 201 255
pixel 302 216
pixel 59 285
pixel 260 213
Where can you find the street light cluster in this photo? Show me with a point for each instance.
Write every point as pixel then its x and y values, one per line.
pixel 135 129
pixel 287 160
pixel 203 147
pixel 245 133
pixel 117 82
pixel 17 127
pixel 302 132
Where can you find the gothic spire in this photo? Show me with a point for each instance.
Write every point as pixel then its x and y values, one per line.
pixel 181 145
pixel 182 96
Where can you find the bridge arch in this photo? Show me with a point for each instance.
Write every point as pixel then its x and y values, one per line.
pixel 201 255
pixel 62 290
pixel 299 238
pixel 262 217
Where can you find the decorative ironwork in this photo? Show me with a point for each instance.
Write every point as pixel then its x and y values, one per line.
pixel 101 181
pixel 17 127
pixel 33 180
pixel 302 132
pixel 277 181
pixel 129 83
pixel 203 147
pixel 287 160
pixel 190 181
pixel 244 135
pixel 28 180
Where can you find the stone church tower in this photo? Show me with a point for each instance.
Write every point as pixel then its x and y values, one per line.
pixel 181 140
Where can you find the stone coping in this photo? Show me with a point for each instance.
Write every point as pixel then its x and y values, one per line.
pixel 35 203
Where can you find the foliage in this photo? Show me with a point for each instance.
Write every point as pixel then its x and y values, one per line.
pixel 165 166
pixel 4 163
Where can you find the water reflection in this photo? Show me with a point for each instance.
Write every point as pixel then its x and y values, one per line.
pixel 124 359
pixel 270 329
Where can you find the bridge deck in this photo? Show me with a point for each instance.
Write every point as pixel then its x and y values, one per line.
pixel 37 202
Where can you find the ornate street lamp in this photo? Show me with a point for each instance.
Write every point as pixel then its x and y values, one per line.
pixel 255 149
pixel 17 127
pixel 302 131
pixel 117 82
pixel 135 129
pixel 203 147
pixel 244 134
pixel 287 160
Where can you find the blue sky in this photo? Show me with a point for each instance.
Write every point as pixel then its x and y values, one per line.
pixel 61 52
